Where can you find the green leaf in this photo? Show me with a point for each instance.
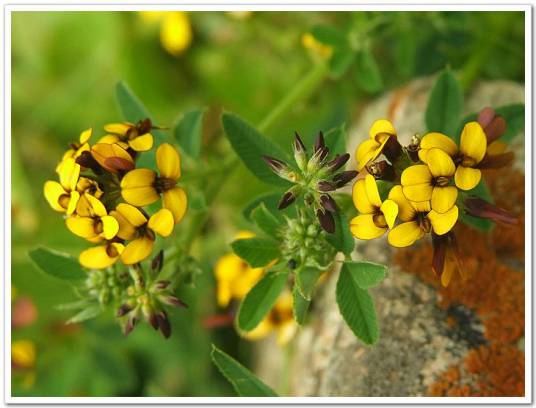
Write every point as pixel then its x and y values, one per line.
pixel 86 314
pixel 336 139
pixel 133 111
pixel 342 239
pixel 196 200
pixel 480 191
pixel 300 305
pixel 341 61
pixel 61 266
pixel 79 304
pixel 257 251
pixel 306 279
pixel 329 35
pixel 445 105
pixel 383 188
pixel 366 274
pixel 356 306
pixel 265 220
pixel 245 383
pixel 271 201
pixel 250 146
pixel 189 131
pixel 260 299
pixel 406 52
pixel 368 72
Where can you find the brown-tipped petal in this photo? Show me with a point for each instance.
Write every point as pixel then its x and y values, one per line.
pixel 320 143
pixel 275 164
pixel 440 243
pixel 130 324
pixel 326 186
pixel 161 284
pixel 163 324
pixel 298 143
pixel 173 301
pixel 153 321
pixel 123 310
pixel 485 116
pixel 338 162
pixel 328 203
pixel 144 126
pixel 323 154
pixel 86 160
pixel 495 129
pixel 158 261
pixel 326 221
pixel 496 161
pixel 343 178
pixel 392 149
pixel 482 209
pixel 287 199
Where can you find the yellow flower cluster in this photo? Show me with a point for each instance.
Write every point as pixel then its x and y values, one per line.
pixel 235 278
pixel 92 181
pixel 175 29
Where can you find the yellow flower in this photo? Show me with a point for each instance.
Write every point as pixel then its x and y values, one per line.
pixel 86 187
pixel 112 157
pixel 234 276
pixel 140 231
pixel 96 225
pixel 175 29
pixel 312 44
pixel 473 145
pixel 417 219
pixel 77 148
pixel 142 187
pixel 379 134
pixel 101 256
pixel 280 319
pixel 23 353
pixel 63 196
pixel 375 217
pixel 128 135
pixel 431 181
pixel 240 14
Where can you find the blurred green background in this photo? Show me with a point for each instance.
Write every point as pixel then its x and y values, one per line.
pixel 64 69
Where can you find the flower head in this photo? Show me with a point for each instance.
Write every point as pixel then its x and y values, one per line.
pixel 63 196
pixel 77 148
pixel 137 137
pixel 95 225
pixel 382 139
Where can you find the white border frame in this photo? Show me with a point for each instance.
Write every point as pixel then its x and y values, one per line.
pixel 277 5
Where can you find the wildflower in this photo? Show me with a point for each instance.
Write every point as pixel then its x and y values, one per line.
pixel 142 187
pixel 134 226
pixel 316 47
pixel 375 217
pixel 23 354
pixel 86 187
pixel 137 137
pixel 101 256
pixel 77 148
pixel 446 258
pixel 96 224
pixel 382 139
pixel 418 218
pixel 175 29
pixel 63 196
pixel 431 181
pixel 112 157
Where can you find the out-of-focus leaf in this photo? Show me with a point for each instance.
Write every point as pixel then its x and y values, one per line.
pixel 86 314
pixel 445 105
pixel 257 251
pixel 188 132
pixel 265 220
pixel 336 139
pixel 300 305
pixel 329 35
pixel 368 72
pixel 61 266
pixel 340 62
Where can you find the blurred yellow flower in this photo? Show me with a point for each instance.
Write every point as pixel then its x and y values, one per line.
pixel 240 14
pixel 316 47
pixel 23 353
pixel 175 29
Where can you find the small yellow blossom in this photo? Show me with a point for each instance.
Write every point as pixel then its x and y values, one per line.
pixel 375 217
pixel 101 256
pixel 175 29
pixel 141 187
pixel 63 196
pixel 112 157
pixel 77 148
pixel 23 353
pixel 126 135
pixel 379 134
pixel 316 47
pixel 140 231
pixel 97 225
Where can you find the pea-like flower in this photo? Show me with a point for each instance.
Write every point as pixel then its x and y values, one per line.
pixel 137 137
pixel 418 219
pixel 431 181
pixel 382 139
pixel 77 148
pixel 141 231
pixel 101 256
pixel 63 196
pixel 376 217
pixel 96 225
pixel 112 157
pixel 141 187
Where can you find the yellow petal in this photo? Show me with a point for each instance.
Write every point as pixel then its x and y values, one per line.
pixel 440 163
pixel 366 152
pixel 126 230
pixel 142 143
pixel 168 161
pixel 85 136
pixel 223 294
pixel 473 141
pixel 263 329
pixel 228 268
pixel 112 157
pixel 363 227
pixel 137 250
pixel 97 208
pixel 118 128
pixel 372 191
pixel 443 223
pixel 389 208
pixel 137 187
pixel 175 200
pixel 53 191
pixel 405 210
pixel 73 201
pixel 162 222
pixel 381 126
pixel 436 140
pixel 496 147
pixel 109 139
pixel 448 271
pixel 466 178
pixel 286 331
pixel 418 192
pixel 133 215
pixel 81 226
pixel 418 174
pixel 421 206
pixel 443 198
pixel 405 234
pixel 244 234
pixel 101 256
pixel 360 198
pixel 69 173
pixel 176 32
pixel 110 227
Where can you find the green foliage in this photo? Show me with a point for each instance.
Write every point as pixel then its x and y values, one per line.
pixel 514 116
pixel 329 35
pixel 89 312
pixel 265 220
pixel 366 274
pixel 250 146
pixel 342 239
pixel 270 201
pixel 245 383
pixel 356 305
pixel 335 139
pixel 189 131
pixel 368 72
pixel 306 279
pixel 300 305
pixel 444 105
pixel 257 251
pixel 340 62
pixel 61 266
pixel 260 299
